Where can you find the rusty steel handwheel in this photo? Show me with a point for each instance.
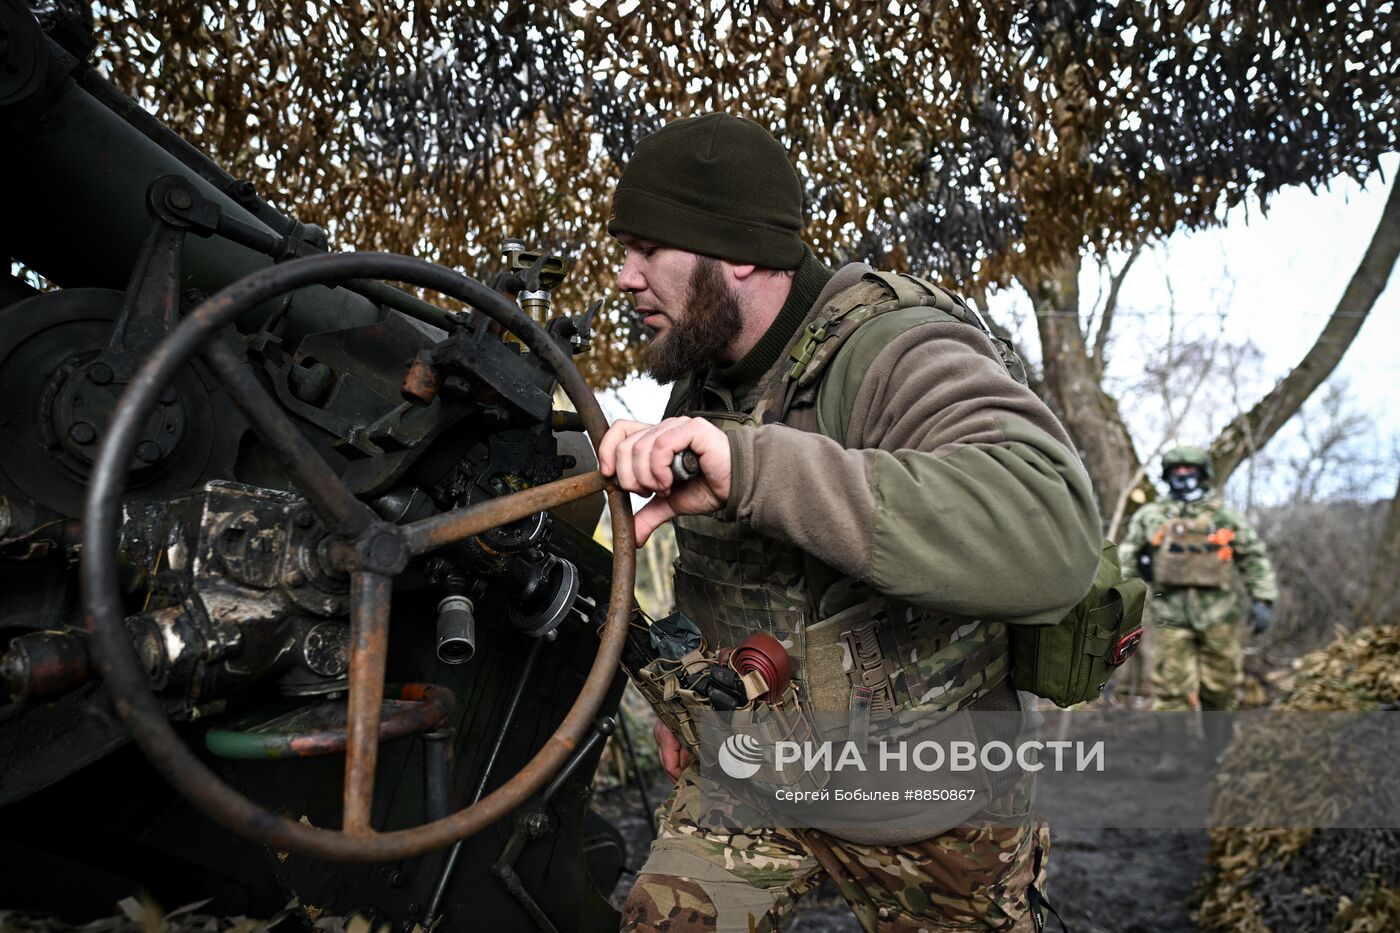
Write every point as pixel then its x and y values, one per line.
pixel 370 550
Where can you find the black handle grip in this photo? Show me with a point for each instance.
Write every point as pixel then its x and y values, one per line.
pixel 685 466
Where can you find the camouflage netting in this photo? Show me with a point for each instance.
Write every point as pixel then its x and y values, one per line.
pixel 1337 879
pixel 974 140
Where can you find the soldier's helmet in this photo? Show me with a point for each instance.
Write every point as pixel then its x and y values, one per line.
pixel 1187 456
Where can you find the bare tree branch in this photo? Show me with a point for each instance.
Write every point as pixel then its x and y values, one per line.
pixel 1100 350
pixel 1177 405
pixel 1253 429
pixel 1017 140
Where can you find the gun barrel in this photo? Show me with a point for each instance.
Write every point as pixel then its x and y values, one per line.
pixel 78 169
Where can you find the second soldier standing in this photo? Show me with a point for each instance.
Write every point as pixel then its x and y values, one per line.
pixel 1190 547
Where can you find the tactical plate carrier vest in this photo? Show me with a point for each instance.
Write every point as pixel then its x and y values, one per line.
pixel 852 649
pixel 1193 550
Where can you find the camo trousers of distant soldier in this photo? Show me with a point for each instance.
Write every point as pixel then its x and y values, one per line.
pixel 1208 662
pixel 699 879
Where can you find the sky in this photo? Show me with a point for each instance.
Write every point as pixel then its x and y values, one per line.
pixel 1269 279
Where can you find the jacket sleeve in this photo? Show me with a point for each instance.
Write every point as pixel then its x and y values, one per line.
pixel 1133 541
pixel 1252 559
pixel 957 490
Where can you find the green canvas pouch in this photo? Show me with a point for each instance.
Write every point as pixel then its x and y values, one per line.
pixel 1071 661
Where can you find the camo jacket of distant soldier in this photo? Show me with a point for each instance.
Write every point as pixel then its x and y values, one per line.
pixel 1197 607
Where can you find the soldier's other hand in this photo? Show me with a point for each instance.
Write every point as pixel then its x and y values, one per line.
pixel 639 457
pixel 674 756
pixel 1261 616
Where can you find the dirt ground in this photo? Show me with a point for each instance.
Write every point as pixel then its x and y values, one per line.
pixel 1126 881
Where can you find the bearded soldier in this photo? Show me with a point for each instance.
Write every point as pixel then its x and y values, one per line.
pixel 1189 548
pixel 863 450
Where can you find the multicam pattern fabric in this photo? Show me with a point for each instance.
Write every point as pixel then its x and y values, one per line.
pixel 1197 647
pixel 733 583
pixel 1208 663
pixel 707 872
pixel 877 293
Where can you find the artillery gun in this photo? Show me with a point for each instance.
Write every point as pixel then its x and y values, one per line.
pixel 308 548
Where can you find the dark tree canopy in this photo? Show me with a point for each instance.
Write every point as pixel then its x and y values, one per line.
pixel 979 141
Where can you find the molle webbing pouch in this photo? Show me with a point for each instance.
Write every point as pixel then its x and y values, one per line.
pixel 666 659
pixel 1193 552
pixel 879 659
pixel 661 683
pixel 1071 661
pixel 735 583
pixel 763 725
pixel 703 700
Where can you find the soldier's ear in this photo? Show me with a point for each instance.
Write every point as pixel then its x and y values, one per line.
pixel 740 271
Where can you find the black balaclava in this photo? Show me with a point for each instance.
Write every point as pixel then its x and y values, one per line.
pixel 1186 485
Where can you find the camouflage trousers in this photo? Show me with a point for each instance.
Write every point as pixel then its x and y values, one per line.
pixel 1207 662
pixel 744 881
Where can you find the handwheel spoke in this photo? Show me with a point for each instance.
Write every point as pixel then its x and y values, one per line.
pixel 429 534
pixel 367 551
pixel 327 493
pixel 369 648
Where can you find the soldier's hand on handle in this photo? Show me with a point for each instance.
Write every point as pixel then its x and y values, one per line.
pixel 674 756
pixel 685 466
pixel 639 457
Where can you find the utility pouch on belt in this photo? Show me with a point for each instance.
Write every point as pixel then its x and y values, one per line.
pixel 705 700
pixel 763 725
pixel 668 671
pixel 1071 661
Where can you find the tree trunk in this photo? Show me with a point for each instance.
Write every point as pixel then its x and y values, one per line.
pixel 1072 379
pixel 1250 431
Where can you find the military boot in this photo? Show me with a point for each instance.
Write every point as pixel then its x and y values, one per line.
pixel 1171 737
pixel 1219 729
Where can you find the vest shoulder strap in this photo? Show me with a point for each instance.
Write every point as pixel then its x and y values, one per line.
pixel 840 383
pixel 876 294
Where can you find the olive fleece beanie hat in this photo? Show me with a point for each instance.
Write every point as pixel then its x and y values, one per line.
pixel 715 185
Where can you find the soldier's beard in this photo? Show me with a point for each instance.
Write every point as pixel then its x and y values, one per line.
pixel 698 336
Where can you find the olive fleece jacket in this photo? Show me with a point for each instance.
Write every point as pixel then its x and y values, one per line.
pixel 956 489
